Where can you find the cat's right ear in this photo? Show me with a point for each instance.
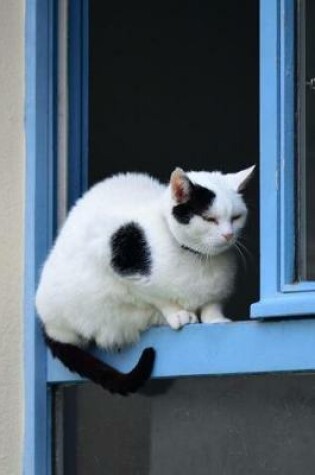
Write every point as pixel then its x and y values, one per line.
pixel 181 186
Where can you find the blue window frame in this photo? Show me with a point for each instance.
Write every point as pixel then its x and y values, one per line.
pixel 40 221
pixel 243 347
pixel 281 294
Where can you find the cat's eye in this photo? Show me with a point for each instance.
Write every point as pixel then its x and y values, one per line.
pixel 210 219
pixel 236 217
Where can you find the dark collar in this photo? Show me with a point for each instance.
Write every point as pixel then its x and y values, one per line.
pixel 193 251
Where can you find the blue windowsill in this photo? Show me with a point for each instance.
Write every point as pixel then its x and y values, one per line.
pixel 231 348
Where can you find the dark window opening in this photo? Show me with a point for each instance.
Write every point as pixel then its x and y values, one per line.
pixel 176 84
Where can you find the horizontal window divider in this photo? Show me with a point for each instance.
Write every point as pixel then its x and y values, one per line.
pixel 198 350
pixel 285 305
pixel 299 287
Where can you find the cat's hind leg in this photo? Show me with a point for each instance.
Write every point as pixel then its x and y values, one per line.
pixel 63 334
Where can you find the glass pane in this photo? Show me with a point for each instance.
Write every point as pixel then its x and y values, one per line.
pixel 234 426
pixel 306 137
pixel 176 84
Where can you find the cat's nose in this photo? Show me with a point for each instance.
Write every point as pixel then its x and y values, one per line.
pixel 228 236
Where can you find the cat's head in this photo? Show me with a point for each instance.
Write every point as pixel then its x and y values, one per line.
pixel 205 210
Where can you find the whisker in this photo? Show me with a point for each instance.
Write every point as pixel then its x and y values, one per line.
pixel 208 256
pixel 250 254
pixel 245 249
pixel 243 237
pixel 243 259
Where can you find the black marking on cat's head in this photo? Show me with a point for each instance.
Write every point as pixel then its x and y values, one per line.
pixel 130 251
pixel 200 199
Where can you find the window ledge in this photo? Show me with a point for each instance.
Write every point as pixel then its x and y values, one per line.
pixel 230 348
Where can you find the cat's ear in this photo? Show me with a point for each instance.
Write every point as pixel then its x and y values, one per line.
pixel 238 181
pixel 181 186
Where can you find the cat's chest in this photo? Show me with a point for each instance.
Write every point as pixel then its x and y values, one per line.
pixel 191 280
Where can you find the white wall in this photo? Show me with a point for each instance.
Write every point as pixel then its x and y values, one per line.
pixel 12 161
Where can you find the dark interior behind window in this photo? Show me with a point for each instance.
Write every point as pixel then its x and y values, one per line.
pixel 176 84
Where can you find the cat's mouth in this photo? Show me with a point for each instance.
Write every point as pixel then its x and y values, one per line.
pixel 221 247
pixel 226 245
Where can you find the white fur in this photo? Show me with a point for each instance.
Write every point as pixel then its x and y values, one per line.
pixel 80 297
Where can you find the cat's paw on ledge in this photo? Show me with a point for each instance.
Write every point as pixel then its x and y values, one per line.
pixel 179 319
pixel 212 313
pixel 218 319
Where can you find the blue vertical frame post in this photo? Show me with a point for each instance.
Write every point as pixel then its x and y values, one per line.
pixel 78 67
pixel 41 195
pixel 269 143
pixel 40 215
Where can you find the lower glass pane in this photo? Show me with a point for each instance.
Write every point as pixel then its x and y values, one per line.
pixel 233 426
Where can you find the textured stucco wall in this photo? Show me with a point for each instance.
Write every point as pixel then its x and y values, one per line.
pixel 12 153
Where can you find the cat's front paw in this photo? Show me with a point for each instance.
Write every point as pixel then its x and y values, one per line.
pixel 215 319
pixel 212 313
pixel 179 319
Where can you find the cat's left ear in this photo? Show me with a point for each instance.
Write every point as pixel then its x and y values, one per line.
pixel 238 181
pixel 181 186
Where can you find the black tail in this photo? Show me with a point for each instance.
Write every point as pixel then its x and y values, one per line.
pixel 87 366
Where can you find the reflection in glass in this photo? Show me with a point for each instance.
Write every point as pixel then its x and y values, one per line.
pixel 306 138
pixel 202 426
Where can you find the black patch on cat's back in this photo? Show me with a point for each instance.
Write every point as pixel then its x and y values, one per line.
pixel 130 251
pixel 200 200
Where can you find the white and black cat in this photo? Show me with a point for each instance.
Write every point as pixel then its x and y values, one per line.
pixel 134 253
